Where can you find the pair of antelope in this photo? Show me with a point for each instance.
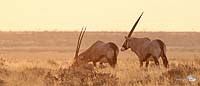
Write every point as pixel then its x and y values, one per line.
pixel 146 50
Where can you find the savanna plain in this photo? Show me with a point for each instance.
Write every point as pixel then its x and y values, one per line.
pixel 45 59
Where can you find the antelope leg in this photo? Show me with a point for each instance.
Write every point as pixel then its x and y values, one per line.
pixel 94 64
pixel 156 60
pixel 141 63
pixel 147 63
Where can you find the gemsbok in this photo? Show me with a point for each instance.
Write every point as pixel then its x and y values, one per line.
pixel 146 49
pixel 98 52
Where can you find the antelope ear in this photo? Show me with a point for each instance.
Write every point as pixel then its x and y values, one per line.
pixel 126 37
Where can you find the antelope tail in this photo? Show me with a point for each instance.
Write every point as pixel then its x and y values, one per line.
pixel 163 52
pixel 116 51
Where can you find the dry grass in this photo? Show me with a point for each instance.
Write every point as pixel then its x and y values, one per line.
pixel 40 60
pixel 127 73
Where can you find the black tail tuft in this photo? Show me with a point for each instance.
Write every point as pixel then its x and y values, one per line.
pixel 116 51
pixel 163 53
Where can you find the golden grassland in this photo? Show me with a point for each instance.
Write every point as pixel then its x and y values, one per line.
pixel 44 59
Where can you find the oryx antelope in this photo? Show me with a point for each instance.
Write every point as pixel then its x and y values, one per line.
pixel 146 49
pixel 98 52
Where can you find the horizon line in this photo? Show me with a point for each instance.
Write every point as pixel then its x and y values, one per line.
pixel 98 31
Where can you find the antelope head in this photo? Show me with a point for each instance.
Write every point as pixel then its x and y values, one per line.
pixel 125 45
pixel 78 59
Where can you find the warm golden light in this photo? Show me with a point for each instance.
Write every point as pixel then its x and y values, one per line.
pixel 103 15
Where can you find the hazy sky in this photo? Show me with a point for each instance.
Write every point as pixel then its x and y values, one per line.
pixel 100 15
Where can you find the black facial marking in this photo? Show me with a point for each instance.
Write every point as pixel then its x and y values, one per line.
pixel 125 45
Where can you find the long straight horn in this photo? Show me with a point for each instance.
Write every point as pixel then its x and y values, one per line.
pixel 130 33
pixel 77 46
pixel 81 38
